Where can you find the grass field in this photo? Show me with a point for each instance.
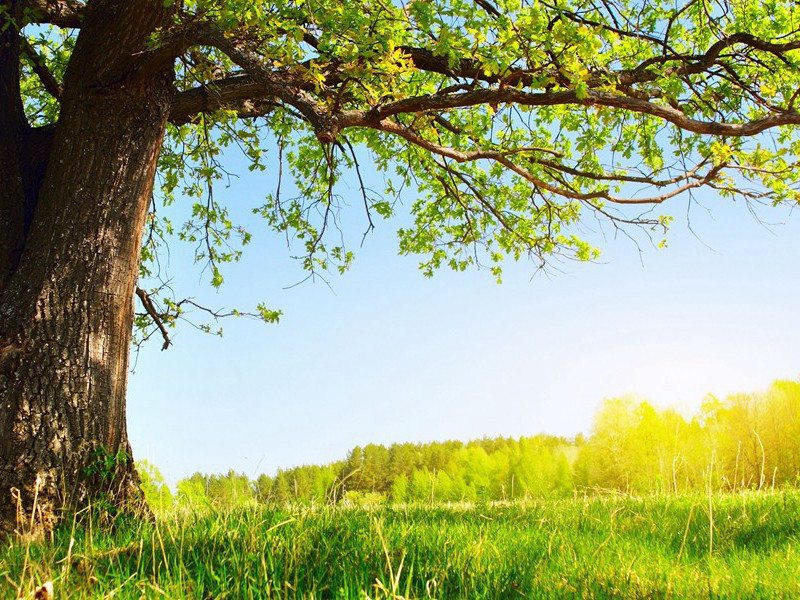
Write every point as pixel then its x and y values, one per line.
pixel 744 545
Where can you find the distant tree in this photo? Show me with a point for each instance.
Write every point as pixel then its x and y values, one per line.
pixel 755 437
pixel 443 490
pixel 375 468
pixel 634 447
pixel 155 488
pixel 399 492
pixel 500 473
pixel 562 477
pixel 282 487
pixel 734 426
pixel 477 468
pixel 351 474
pixel 421 485
pixel 263 488
pixel 231 489
pixel 324 480
pixel 192 491
pixel 782 431
pixel 607 454
pixel 402 459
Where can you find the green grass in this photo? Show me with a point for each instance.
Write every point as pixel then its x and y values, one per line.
pixel 601 547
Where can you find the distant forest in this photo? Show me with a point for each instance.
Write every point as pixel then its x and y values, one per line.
pixel 746 441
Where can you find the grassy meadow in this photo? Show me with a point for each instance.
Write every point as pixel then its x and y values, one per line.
pixel 743 545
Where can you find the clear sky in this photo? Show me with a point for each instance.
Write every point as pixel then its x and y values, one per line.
pixel 384 355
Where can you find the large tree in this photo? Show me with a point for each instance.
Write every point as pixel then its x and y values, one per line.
pixel 509 120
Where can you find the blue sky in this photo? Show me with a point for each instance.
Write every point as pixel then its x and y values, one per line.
pixel 384 355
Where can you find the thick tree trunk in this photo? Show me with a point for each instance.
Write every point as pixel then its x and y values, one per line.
pixel 66 299
pixel 12 127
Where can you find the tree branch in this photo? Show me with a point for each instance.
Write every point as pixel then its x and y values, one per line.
pixel 39 67
pixel 263 83
pixel 284 86
pixel 12 124
pixel 148 305
pixel 505 95
pixel 502 158
pixel 62 13
pixel 619 177
pixel 237 89
pixel 239 92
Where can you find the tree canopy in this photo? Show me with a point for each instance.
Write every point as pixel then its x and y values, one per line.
pixel 510 123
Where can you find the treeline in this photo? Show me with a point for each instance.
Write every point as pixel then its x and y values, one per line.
pixel 482 470
pixel 746 441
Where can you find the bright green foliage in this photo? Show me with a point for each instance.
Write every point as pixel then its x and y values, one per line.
pixel 744 442
pixel 484 470
pixel 421 486
pixel 364 56
pixel 155 488
pixel 193 491
pixel 602 547
pixel 399 491
pixel 502 126
pixel 231 489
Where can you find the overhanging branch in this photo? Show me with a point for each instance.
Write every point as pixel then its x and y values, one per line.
pixel 239 92
pixel 505 95
pixel 62 13
pixel 317 94
pixel 503 159
pixel 613 89
pixel 150 308
pixel 39 67
pixel 242 88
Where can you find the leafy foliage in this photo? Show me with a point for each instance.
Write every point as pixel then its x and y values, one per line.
pixel 505 128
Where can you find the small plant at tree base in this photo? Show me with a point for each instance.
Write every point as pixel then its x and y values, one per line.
pixel 105 471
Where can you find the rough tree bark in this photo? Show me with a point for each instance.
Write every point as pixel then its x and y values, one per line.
pixel 68 270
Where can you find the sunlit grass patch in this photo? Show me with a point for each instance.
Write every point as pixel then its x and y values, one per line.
pixel 651 547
